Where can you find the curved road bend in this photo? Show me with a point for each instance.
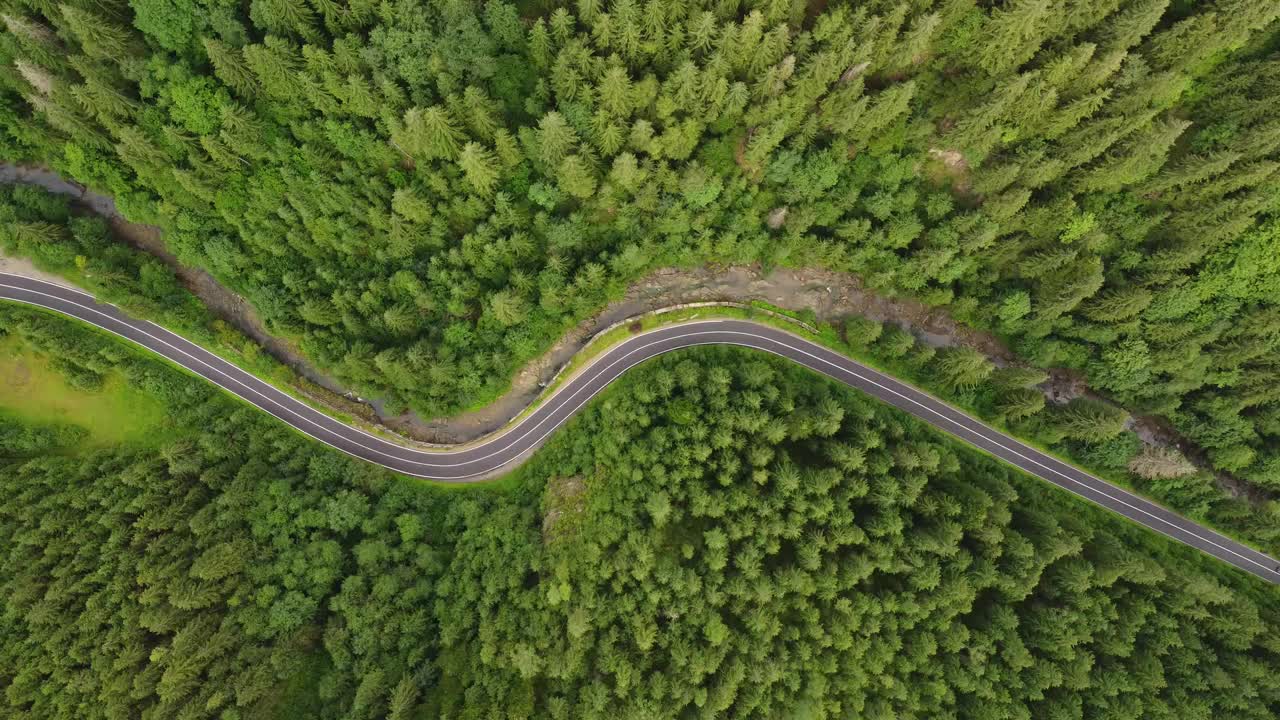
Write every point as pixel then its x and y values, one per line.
pixel 506 448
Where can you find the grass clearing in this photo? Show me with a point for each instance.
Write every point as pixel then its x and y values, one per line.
pixel 32 389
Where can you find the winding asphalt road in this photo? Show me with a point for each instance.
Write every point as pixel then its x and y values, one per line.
pixel 505 449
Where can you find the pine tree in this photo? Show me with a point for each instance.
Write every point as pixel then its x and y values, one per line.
pixel 1020 403
pixel 861 332
pixel 319 311
pixel 284 17
pixel 1019 377
pixel 508 308
pixel 975 132
pixel 277 68
pixel 38 42
pixel 1117 305
pixel 404 698
pixel 359 96
pixel 540 47
pixel 913 48
pixel 1074 113
pixel 1190 170
pixel 556 139
pixel 33 235
pixel 231 67
pixel 140 152
pixel 427 135
pixel 480 167
pixel 480 113
pixel 99 37
pixel 615 92
pixel 1133 23
pixel 1090 420
pixel 1063 291
pixel 408 204
pixel 1138 158
pixel 576 177
pixel 243 130
pixel 963 367
pixel 402 319
pixel 1041 263
pixel 1012 34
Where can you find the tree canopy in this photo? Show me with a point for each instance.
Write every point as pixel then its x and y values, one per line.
pixel 721 534
pixel 426 194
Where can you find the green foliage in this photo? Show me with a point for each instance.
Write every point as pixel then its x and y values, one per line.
pixel 894 341
pixel 963 367
pixel 861 332
pixel 735 524
pixel 170 23
pixel 1094 181
pixel 1090 420
pixel 1019 377
pixel 480 167
pixel 61 386
pixel 781 550
pixel 238 539
pixel 19 438
pixel 1019 403
pixel 40 226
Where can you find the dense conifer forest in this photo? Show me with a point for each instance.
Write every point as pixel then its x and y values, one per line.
pixel 425 194
pixel 720 535
pixel 429 193
pixel 48 229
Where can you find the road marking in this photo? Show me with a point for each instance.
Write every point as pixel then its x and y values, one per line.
pixel 553 404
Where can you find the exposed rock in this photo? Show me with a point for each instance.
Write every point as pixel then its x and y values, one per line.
pixel 953 159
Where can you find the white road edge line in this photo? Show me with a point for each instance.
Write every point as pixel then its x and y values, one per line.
pixel 72 288
pixel 232 370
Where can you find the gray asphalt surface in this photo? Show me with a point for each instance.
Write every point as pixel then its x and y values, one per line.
pixel 504 450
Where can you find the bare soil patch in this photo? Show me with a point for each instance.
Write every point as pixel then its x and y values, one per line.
pixel 18 375
pixel 832 296
pixel 23 267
